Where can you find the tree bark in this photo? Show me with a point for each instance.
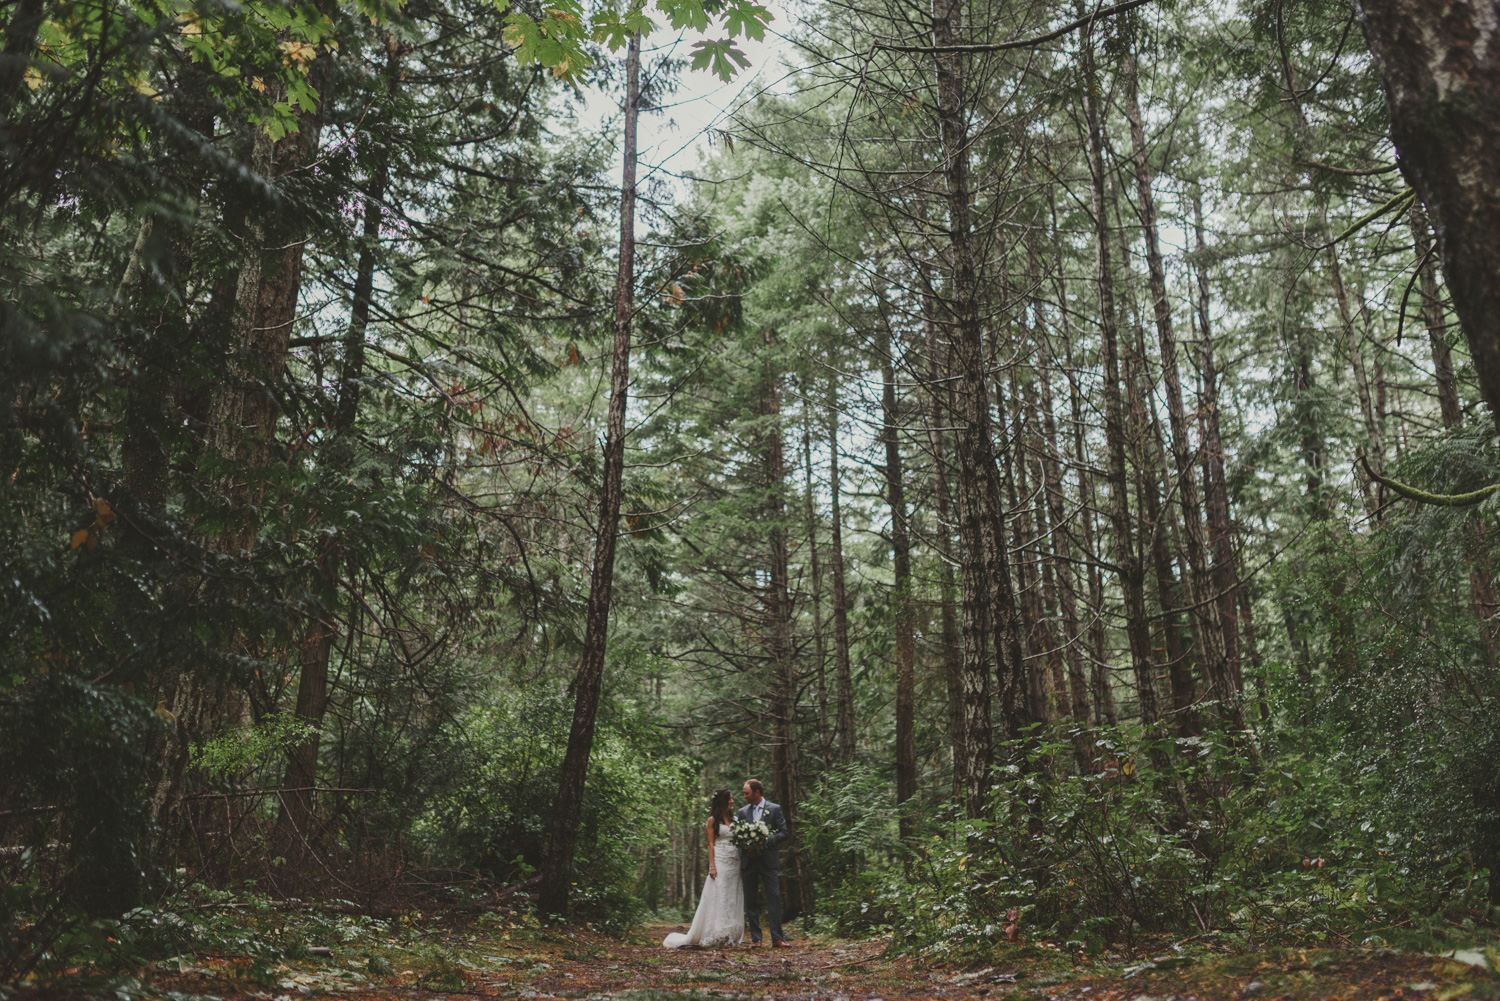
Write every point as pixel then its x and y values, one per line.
pixel 1148 469
pixel 1066 580
pixel 778 633
pixel 843 671
pixel 940 406
pixel 820 643
pixel 1252 651
pixel 1440 63
pixel 301 773
pixel 15 57
pixel 1131 571
pixel 1100 686
pixel 1216 490
pixel 557 866
pixel 906 652
pixel 1482 599
pixel 1157 517
pixel 990 619
pixel 1206 609
pixel 1048 601
pixel 241 426
pixel 1432 319
pixel 1374 436
pixel 1037 646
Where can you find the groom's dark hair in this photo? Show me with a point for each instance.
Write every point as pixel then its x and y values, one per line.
pixel 755 785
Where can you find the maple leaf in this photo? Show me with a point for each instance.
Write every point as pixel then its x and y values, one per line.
pixel 747 20
pixel 719 57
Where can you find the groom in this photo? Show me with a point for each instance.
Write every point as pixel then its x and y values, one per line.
pixel 763 868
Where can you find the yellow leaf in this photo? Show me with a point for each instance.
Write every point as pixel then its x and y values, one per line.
pixel 103 513
pixel 162 711
pixel 79 538
pixel 298 53
pixel 1128 768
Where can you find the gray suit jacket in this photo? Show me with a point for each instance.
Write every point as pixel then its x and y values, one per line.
pixel 770 856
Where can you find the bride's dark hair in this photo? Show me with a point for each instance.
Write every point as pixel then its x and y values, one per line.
pixel 719 804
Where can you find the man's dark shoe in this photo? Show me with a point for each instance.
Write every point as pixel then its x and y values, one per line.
pixel 780 943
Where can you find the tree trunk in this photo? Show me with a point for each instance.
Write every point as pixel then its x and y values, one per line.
pixel 1440 63
pixel 1036 642
pixel 1216 490
pixel 301 771
pixel 990 619
pixel 1148 470
pixel 1206 609
pixel 1019 692
pixel 1432 319
pixel 15 58
pixel 1157 515
pixel 1374 437
pixel 1305 413
pixel 1099 680
pixel 843 671
pixel 778 633
pixel 939 407
pixel 1036 443
pixel 820 666
pixel 1047 643
pixel 1482 599
pixel 1252 651
pixel 1066 580
pixel 557 866
pixel 241 425
pixel 906 653
pixel 1131 571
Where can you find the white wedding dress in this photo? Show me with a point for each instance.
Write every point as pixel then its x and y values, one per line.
pixel 720 920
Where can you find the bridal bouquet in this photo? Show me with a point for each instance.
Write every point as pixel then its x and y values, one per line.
pixel 749 835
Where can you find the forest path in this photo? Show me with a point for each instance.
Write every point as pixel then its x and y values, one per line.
pixel 431 957
pixel 637 968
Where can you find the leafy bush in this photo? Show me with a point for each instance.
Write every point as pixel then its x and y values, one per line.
pixel 494 815
pixel 1297 853
pixel 848 829
pixel 80 752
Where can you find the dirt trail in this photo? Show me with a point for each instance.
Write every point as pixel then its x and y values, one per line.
pixel 438 960
pixel 638 969
pixel 806 970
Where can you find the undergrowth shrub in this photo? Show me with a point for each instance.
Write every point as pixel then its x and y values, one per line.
pixel 75 759
pixel 1306 851
pixel 493 816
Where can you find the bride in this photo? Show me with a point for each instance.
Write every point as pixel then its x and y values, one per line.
pixel 720 920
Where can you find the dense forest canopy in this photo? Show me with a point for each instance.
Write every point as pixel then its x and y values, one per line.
pixel 1052 446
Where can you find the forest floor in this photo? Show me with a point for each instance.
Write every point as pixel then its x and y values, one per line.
pixel 435 961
